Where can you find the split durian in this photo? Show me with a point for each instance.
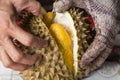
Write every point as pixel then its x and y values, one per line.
pixel 61 58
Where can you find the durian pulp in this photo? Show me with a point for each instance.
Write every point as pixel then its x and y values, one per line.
pixel 67 22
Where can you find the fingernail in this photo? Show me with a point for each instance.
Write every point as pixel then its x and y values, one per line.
pixel 43 43
pixel 40 57
pixel 40 43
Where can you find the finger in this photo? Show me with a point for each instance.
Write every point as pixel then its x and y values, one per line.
pixel 93 51
pixel 98 61
pixel 18 57
pixel 31 5
pixel 26 38
pixel 7 62
pixel 34 7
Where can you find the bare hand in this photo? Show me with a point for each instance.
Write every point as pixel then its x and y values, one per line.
pixel 10 55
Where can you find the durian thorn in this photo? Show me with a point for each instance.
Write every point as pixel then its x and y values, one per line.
pixel 84 18
pixel 74 13
pixel 78 17
pixel 83 36
pixel 87 25
pixel 81 23
pixel 84 29
pixel 77 10
pixel 70 11
pixel 73 9
pixel 84 42
pixel 87 32
pixel 90 37
pixel 81 13
pixel 78 31
pixel 86 46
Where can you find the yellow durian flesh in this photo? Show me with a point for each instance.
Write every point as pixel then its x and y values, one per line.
pixel 64 37
pixel 66 21
pixel 64 43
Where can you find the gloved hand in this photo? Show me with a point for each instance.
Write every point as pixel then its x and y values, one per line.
pixel 10 55
pixel 106 16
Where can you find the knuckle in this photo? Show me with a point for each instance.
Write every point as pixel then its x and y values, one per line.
pixel 29 41
pixel 18 58
pixel 3 39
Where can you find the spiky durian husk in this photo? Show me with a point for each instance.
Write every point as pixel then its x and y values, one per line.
pixel 53 67
pixel 85 34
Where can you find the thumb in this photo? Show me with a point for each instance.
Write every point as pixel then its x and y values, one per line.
pixel 32 6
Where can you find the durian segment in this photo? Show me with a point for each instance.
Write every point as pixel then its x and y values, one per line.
pixel 53 66
pixel 64 43
pixel 48 18
pixel 67 22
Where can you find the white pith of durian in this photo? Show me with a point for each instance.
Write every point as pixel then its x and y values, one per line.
pixel 67 22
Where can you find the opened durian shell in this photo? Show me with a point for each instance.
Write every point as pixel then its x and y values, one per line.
pixel 53 67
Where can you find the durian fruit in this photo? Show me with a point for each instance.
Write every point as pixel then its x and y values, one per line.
pixel 55 65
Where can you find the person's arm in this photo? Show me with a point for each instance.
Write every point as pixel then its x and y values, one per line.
pixel 11 56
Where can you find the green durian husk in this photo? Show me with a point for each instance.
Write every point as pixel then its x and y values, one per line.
pixel 53 67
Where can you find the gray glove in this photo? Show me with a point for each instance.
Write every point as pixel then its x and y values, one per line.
pixel 106 16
